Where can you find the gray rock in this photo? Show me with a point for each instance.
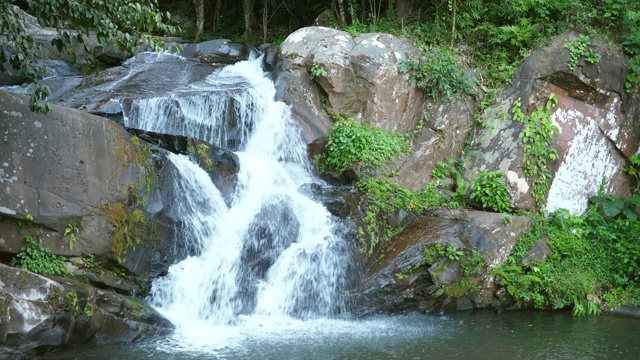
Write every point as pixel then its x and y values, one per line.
pixel 362 79
pixel 145 75
pixel 596 121
pixel 72 168
pixel 218 51
pixel 39 312
pixel 417 286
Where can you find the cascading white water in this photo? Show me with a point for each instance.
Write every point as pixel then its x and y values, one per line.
pixel 274 253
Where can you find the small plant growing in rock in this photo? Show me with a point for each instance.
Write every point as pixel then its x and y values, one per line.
pixel 488 188
pixel 578 48
pixel 439 74
pixel 539 151
pixel 71 230
pixel 38 259
pixel 317 73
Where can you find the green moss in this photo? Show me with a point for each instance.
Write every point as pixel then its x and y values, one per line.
pixel 138 308
pixel 139 155
pixel 472 264
pixel 130 228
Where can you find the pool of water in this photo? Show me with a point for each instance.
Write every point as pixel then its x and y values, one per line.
pixel 468 335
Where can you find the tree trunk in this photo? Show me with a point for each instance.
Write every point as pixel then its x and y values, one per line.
pixel 248 10
pixel 340 12
pixel 403 7
pixel 214 15
pixel 199 5
pixel 453 27
pixel 265 21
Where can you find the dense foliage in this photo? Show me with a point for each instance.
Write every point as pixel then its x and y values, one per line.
pixel 122 23
pixel 594 263
pixel 352 142
pixel 490 36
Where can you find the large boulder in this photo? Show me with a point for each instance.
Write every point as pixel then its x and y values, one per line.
pixel 69 173
pixel 362 81
pixel 38 313
pixel 596 118
pixel 445 131
pixel 217 52
pixel 403 276
pixel 143 76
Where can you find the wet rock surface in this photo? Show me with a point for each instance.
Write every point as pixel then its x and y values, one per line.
pixel 401 276
pixel 39 313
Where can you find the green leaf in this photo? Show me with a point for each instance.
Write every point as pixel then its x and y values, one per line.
pixel 630 214
pixel 613 208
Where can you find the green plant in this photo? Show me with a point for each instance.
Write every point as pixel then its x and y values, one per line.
pixel 407 271
pixel 634 168
pixel 38 259
pixel 578 48
pixel 444 169
pixel 71 230
pixel 488 188
pixel 72 297
pixel 440 74
pixel 593 258
pixel 633 77
pixel 506 219
pixel 317 73
pixel 613 206
pixel 472 263
pixel 383 198
pixel 351 143
pixel 88 309
pixel 538 152
pixel 122 23
pixel 130 228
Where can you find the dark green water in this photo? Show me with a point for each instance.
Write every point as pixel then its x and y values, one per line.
pixel 469 335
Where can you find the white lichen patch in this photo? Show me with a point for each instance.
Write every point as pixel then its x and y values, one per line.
pixel 341 38
pixel 610 124
pixel 588 160
pixel 31 314
pixel 13 113
pixel 7 211
pixel 517 183
pixel 377 43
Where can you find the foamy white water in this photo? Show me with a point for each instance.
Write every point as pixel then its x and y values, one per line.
pixel 273 259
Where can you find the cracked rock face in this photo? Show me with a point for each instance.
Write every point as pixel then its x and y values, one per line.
pixel 362 79
pixel 595 119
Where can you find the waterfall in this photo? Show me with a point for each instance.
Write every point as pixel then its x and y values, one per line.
pixel 274 253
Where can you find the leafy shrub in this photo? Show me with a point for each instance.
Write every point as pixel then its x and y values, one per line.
pixel 439 74
pixel 351 143
pixel 383 198
pixel 488 188
pixel 593 258
pixel 38 259
pixel 613 206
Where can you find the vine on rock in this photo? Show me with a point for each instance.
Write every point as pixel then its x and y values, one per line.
pixel 538 151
